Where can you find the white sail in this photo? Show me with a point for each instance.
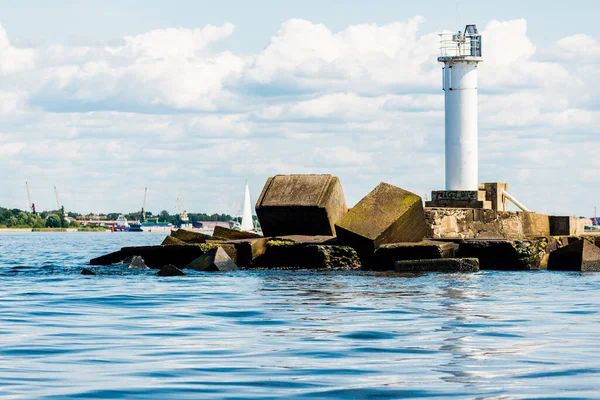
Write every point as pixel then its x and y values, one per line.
pixel 247 224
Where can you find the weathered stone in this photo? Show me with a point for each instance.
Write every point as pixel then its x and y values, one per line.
pixel 288 254
pixel 232 234
pixel 190 236
pixel 214 260
pixel 554 243
pixel 457 223
pixel 386 215
pixel 137 262
pixel 247 250
pixel 331 257
pixel 156 256
pixel 301 205
pixel 319 239
pixel 86 271
pixel 170 270
pixel 581 255
pixel 280 253
pixel 494 193
pixel 508 255
pixel 170 241
pixel 438 265
pixel 387 254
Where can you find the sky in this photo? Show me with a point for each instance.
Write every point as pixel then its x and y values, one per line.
pixel 193 98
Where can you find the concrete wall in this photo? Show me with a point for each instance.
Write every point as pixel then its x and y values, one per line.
pixel 462 223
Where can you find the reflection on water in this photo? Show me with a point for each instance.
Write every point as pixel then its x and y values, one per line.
pixel 294 334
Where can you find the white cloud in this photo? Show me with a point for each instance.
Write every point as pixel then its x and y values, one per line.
pixel 170 110
pixel 342 155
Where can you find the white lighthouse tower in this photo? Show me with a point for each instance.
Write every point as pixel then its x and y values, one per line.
pixel 460 55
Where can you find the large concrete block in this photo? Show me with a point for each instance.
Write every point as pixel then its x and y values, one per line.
pixel 506 255
pixel 386 215
pixel 582 255
pixel 190 236
pixel 212 261
pixel 301 205
pixel 387 254
pixel 231 234
pixel 571 226
pixel 288 254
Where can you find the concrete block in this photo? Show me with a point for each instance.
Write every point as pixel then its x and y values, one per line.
pixel 215 260
pixel 287 254
pixel 563 225
pixel 386 215
pixel 232 234
pixel 190 236
pixel 438 265
pixel 170 241
pixel 506 255
pixel 581 255
pixel 387 254
pixel 248 250
pixel 301 205
pixel 493 193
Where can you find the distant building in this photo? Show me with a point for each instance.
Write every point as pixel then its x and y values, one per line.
pixel 213 224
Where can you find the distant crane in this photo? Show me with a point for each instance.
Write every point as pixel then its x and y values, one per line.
pixel 143 213
pixel 181 210
pixel 31 204
pixel 60 207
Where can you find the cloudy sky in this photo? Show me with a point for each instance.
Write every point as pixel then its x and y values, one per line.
pixel 195 97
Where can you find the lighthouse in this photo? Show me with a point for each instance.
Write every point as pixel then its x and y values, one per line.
pixel 460 56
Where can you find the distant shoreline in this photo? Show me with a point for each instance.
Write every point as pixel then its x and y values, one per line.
pixel 37 230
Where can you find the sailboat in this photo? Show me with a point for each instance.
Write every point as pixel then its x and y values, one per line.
pixel 247 223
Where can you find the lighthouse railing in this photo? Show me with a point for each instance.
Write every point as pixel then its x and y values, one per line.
pixel 460 45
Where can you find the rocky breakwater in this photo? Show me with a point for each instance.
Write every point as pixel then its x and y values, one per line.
pixel 308 226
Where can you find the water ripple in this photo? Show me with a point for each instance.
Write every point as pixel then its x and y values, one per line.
pixel 286 334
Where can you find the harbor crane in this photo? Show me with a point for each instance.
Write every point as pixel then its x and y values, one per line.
pixel 181 210
pixel 60 207
pixel 143 213
pixel 31 204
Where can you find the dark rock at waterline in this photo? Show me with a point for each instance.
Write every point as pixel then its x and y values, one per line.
pixel 507 255
pixel 289 254
pixel 438 265
pixel 170 270
pixel 86 271
pixel 137 262
pixel 212 261
pixel 582 255
pixel 156 256
pixel 386 255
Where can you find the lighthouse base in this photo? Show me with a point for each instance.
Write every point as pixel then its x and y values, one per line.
pixel 459 199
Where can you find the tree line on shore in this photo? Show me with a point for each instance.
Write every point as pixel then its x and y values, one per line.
pixel 16 218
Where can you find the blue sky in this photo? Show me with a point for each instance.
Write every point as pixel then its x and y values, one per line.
pixel 194 97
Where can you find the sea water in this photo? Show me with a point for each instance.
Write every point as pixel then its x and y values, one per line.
pixel 286 334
